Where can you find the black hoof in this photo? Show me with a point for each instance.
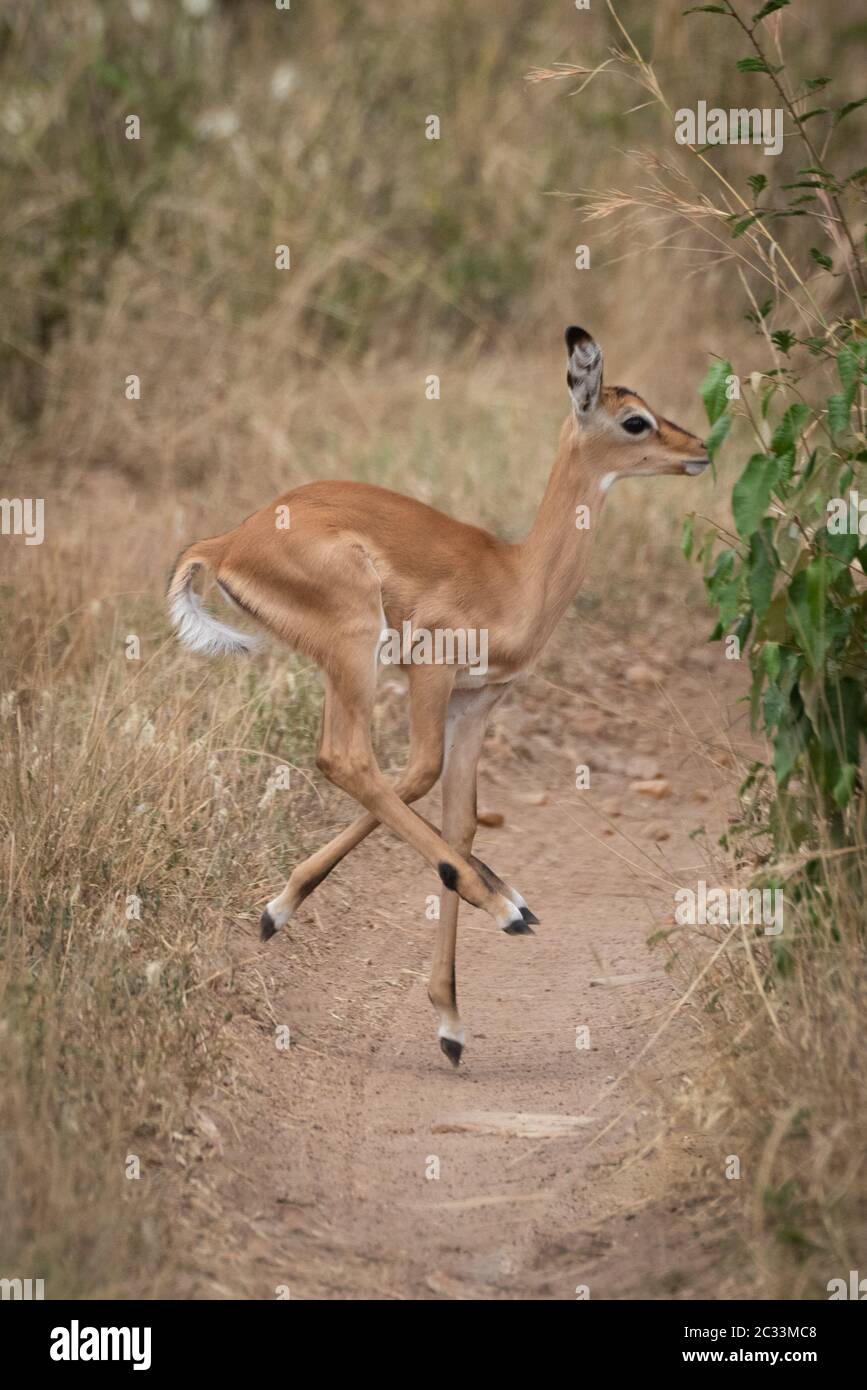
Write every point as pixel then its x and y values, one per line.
pixel 452 1050
pixel 267 926
pixel 519 929
pixel 529 917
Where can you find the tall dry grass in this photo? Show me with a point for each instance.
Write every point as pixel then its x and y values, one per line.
pixel 784 1092
pixel 140 827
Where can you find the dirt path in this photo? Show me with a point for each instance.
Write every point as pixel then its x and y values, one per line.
pixel 318 1159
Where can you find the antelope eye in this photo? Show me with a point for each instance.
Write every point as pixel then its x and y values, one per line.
pixel 635 424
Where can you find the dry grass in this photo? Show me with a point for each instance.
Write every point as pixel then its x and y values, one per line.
pixel 139 831
pixel 777 1083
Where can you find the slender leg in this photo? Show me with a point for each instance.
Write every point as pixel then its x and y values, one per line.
pixel 346 757
pixel 465 731
pixel 429 691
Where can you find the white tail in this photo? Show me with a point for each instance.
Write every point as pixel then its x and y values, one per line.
pixel 196 627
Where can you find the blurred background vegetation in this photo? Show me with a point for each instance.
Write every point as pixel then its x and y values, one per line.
pixel 306 127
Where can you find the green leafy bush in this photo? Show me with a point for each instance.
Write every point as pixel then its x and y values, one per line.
pixel 790 585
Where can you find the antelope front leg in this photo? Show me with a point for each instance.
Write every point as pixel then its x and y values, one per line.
pixel 465 730
pixel 308 875
pixel 347 759
pixel 429 691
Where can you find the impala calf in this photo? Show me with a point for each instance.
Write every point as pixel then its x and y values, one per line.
pixel 358 562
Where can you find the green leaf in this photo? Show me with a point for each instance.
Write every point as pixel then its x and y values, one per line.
pixel 771 659
pixel 713 390
pixel 718 432
pixel 774 707
pixel 723 587
pixel 788 431
pixel 809 466
pixel 755 693
pixel 774 627
pixel 739 227
pixel 687 535
pixel 843 546
pixel 845 784
pixel 769 8
pixel 821 259
pixel 757 183
pixel 752 492
pixel 809 183
pixel 812 83
pixel 763 567
pixel 850 106
pixel 849 369
pixel 845 700
pixel 784 340
pixel 721 572
pixel 756 65
pixel 784 964
pixel 729 602
pixel 836 708
pixel 813 626
pixel 743 625
pixel 788 745
pixel 767 396
pixel 839 407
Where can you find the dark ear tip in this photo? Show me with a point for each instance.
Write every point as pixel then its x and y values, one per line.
pixel 575 335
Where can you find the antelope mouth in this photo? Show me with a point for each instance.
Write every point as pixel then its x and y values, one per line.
pixel 695 466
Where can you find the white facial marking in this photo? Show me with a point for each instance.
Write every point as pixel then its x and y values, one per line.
pixel 607 480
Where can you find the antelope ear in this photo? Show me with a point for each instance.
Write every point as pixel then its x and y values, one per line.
pixel 584 373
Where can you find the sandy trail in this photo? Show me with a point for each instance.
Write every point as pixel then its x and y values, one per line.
pixel 318 1159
